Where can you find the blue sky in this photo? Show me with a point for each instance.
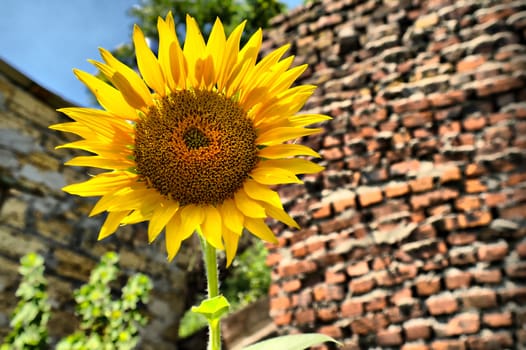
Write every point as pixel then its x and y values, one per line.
pixel 46 39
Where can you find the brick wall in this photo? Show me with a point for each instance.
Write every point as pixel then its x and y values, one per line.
pixel 414 235
pixel 36 216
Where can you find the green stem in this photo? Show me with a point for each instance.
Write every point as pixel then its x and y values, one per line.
pixel 210 258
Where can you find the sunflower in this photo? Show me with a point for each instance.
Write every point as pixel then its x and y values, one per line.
pixel 196 140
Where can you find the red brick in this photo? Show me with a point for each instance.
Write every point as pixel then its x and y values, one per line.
pixel 521 249
pixel 315 243
pixel 327 313
pixel 475 186
pixel 331 331
pixel 369 324
pixel 283 319
pixel 516 269
pixel 279 303
pixel 493 251
pixel 465 323
pixel 515 212
pixel 462 238
pixel 497 319
pixel 274 290
pixel 334 277
pixel 305 316
pixel 467 203
pixel 474 123
pixel 417 119
pixel 381 263
pixel 299 250
pixel 427 285
pixel 369 195
pixel 417 329
pixel 415 346
pixel 376 302
pixel 449 127
pixel 351 308
pixel 449 344
pixel 292 285
pixel 443 99
pixel 273 258
pixel 491 340
pixel 455 279
pixel 470 63
pixel 451 173
pixel 421 184
pixel 474 170
pixel 402 168
pixel 413 103
pixel 480 298
pixel 320 210
pixel 474 219
pixel 362 285
pixel 343 200
pixel 401 295
pixel 358 269
pixel 396 189
pixel 331 154
pixel 391 336
pixel 462 255
pixel 490 276
pixel 440 304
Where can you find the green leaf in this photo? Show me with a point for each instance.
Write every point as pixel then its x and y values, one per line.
pixel 212 309
pixel 292 342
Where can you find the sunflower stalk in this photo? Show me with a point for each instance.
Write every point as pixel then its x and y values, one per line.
pixel 216 305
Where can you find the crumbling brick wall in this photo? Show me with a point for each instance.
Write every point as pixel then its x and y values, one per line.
pixel 414 235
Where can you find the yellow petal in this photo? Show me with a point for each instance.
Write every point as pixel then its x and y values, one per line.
pixel 248 206
pixel 111 223
pixel 101 184
pixel 231 56
pixel 163 213
pixel 286 150
pixel 259 229
pixel 295 165
pixel 211 226
pixel 261 192
pixel 281 215
pixel 274 176
pixel 147 63
pixel 231 241
pixel 215 50
pixel 109 97
pixel 101 162
pixel 191 217
pixel 281 134
pixel 232 217
pixel 167 38
pixel 308 119
pixel 173 236
pixel 194 50
pixel 134 79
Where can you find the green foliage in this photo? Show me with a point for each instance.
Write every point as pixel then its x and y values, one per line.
pixel 248 280
pixel 31 315
pixel 107 323
pixel 231 12
pixel 293 342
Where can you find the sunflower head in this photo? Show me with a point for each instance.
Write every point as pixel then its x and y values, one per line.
pixel 195 141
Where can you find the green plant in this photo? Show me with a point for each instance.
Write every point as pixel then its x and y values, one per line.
pixel 30 317
pixel 248 280
pixel 106 323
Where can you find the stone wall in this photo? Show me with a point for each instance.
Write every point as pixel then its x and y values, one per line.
pixel 414 235
pixel 36 216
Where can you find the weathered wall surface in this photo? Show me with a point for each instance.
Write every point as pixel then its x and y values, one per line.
pixel 35 215
pixel 413 237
